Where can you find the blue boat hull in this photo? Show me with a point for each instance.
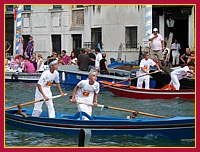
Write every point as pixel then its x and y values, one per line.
pixel 70 76
pixel 174 128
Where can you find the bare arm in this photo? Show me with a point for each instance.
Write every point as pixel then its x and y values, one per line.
pixel 32 46
pixel 74 94
pixel 41 91
pixel 158 67
pixel 163 44
pixel 63 63
pixel 182 56
pixel 95 99
pixel 59 88
pixel 106 64
pixel 151 39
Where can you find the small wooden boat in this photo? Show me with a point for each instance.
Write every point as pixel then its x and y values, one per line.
pixel 71 124
pixel 167 92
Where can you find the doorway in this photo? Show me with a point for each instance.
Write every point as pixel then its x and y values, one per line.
pixel 9 31
pixel 56 43
pixel 77 43
pixel 180 31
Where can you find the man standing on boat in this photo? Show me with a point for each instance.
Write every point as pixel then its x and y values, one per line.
pixel 86 91
pixel 144 69
pixel 43 89
pixel 157 46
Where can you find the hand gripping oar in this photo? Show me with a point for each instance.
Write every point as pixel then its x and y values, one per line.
pixel 128 79
pixel 32 102
pixel 125 110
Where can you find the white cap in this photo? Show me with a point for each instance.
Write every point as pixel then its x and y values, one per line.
pixel 155 30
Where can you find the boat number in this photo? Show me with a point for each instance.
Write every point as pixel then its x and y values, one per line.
pixel 78 77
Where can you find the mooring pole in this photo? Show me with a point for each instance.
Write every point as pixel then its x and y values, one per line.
pixel 84 137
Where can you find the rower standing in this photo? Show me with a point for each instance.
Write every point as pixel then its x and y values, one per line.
pixel 86 91
pixel 181 73
pixel 144 69
pixel 43 89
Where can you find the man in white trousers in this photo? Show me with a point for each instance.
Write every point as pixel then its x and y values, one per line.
pixel 144 69
pixel 175 53
pixel 43 89
pixel 181 73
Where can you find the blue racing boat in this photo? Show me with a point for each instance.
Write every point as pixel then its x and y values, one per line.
pixel 174 128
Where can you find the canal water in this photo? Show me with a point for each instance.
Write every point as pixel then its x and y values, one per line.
pixel 20 92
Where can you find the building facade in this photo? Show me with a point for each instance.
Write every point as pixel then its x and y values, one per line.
pixel 114 27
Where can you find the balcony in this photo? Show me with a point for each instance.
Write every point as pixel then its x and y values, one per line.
pixel 91 45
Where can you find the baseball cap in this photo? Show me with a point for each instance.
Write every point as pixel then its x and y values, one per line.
pixel 155 30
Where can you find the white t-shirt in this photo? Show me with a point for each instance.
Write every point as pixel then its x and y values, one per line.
pixel 176 46
pixel 42 65
pixel 46 81
pixel 73 61
pixel 146 65
pixel 181 73
pixel 156 42
pixel 86 91
pixel 97 61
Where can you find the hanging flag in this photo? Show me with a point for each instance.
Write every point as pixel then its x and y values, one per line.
pixel 99 46
pixel 18 28
pixel 15 11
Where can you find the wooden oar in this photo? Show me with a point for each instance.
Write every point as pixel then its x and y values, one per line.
pixel 128 79
pixel 32 102
pixel 125 110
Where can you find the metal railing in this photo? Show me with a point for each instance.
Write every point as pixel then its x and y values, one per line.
pixel 91 45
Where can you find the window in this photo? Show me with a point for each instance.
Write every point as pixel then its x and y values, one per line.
pixel 57 6
pixel 79 6
pixel 96 36
pixel 131 37
pixel 27 7
pixel 77 18
pixel 9 8
pixel 56 43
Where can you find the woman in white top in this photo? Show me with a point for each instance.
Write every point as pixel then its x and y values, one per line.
pixel 73 58
pixel 40 64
